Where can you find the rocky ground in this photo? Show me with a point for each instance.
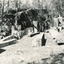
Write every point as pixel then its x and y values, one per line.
pixel 28 50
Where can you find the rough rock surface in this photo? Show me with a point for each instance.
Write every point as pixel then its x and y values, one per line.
pixel 23 52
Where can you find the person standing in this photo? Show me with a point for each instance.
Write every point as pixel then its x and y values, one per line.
pixel 60 19
pixel 43 40
pixel 55 19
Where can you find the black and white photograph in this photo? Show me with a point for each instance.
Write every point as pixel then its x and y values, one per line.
pixel 31 31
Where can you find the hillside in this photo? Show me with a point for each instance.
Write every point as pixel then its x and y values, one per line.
pixel 25 52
